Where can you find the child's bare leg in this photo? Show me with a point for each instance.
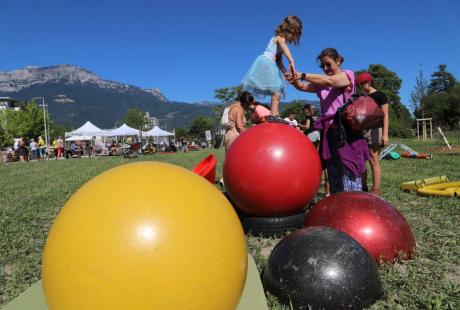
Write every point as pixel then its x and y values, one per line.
pixel 274 112
pixel 376 170
pixel 275 104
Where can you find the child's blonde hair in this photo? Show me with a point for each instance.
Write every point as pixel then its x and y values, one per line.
pixel 290 29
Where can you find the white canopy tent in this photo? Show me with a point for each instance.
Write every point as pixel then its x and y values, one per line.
pixel 124 130
pixel 157 132
pixel 88 129
pixel 160 135
pixel 79 138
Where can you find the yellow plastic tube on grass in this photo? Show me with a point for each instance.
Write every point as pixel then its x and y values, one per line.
pixel 448 189
pixel 414 185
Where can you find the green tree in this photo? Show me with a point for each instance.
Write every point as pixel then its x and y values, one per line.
pixel 217 114
pixel 181 132
pixel 135 118
pixel 27 123
pixel 388 82
pixel 56 130
pixel 199 125
pixel 418 94
pixel 441 81
pixel 227 94
pixel 296 107
pixel 5 138
pixel 444 108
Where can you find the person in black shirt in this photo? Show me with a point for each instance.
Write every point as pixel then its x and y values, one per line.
pixel 376 138
pixel 315 136
pixel 307 125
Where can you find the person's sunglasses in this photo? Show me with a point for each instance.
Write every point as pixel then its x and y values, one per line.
pixel 327 65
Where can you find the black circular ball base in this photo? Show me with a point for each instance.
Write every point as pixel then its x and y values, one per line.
pixel 268 226
pixel 322 268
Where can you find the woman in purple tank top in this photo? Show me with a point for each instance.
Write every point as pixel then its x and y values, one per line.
pixel 346 162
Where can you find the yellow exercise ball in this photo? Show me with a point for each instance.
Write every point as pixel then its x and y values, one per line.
pixel 145 235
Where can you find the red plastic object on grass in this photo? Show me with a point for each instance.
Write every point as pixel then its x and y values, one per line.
pixel 272 170
pixel 373 222
pixel 207 168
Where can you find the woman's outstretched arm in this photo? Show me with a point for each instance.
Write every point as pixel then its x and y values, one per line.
pixel 337 80
pixel 295 81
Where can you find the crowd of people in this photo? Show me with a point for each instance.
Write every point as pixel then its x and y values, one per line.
pixel 23 150
pixel 344 162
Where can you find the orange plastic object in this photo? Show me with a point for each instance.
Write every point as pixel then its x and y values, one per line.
pixel 407 154
pixel 207 168
pixel 424 156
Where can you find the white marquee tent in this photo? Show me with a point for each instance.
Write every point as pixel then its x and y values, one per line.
pixel 79 138
pixel 160 135
pixel 124 130
pixel 88 129
pixel 157 132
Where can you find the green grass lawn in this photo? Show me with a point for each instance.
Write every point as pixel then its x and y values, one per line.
pixel 31 195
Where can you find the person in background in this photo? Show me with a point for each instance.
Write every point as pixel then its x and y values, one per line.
pixel 378 137
pixel 41 147
pixel 55 148
pixel 259 113
pixel 9 155
pixel 307 126
pixel 33 149
pixel 183 144
pixel 16 144
pixel 315 137
pixel 22 150
pixel 234 126
pixel 74 149
pixel 291 120
pixel 113 149
pixel 162 146
pixel 60 147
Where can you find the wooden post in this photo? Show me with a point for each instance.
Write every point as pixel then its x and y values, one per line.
pixel 444 137
pixel 424 130
pixel 418 131
pixel 431 129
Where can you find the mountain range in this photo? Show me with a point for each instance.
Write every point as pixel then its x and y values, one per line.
pixel 75 95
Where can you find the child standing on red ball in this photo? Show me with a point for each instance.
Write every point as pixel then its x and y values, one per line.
pixel 266 75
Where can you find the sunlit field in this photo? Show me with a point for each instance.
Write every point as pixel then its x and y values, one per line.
pixel 31 195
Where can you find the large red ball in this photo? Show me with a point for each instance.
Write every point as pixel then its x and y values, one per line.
pixel 272 170
pixel 377 225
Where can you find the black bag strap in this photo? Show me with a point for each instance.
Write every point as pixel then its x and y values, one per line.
pixel 339 121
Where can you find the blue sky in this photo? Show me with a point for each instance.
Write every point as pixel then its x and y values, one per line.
pixel 189 48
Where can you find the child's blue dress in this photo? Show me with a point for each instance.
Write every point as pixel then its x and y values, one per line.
pixel 264 77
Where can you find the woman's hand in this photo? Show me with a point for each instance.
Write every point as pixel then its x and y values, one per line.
pixel 294 79
pixel 385 140
pixel 292 76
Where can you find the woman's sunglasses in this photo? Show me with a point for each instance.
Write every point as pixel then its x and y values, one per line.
pixel 327 65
